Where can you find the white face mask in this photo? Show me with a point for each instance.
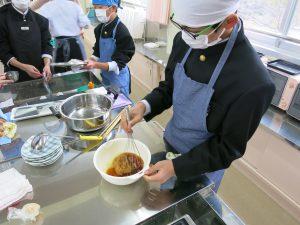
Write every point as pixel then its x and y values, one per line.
pixel 201 41
pixel 101 15
pixel 22 5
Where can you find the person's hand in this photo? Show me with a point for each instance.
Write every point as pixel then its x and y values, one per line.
pixel 47 73
pixel 82 33
pixel 93 59
pixel 91 64
pixel 4 81
pixel 160 172
pixel 136 115
pixel 32 71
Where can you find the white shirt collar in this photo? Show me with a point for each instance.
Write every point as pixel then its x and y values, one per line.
pixel 22 13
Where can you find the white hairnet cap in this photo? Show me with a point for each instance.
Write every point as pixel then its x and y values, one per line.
pixel 198 13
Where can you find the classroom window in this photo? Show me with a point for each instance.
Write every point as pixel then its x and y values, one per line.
pixel 273 24
pixel 263 14
pixel 295 26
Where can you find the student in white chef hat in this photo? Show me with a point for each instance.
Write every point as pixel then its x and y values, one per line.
pixel 219 90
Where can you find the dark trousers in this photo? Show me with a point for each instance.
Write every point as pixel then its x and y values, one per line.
pixel 67 48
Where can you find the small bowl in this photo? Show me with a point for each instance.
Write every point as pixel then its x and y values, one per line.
pixel 107 152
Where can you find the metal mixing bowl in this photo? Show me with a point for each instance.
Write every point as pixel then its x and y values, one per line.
pixel 86 112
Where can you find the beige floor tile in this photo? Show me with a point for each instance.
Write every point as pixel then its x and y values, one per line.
pixel 250 203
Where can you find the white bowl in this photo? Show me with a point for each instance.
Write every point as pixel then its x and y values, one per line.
pixel 106 153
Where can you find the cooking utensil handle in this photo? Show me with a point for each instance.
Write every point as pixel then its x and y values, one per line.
pixel 139 173
pixel 90 138
pixel 54 112
pixel 111 90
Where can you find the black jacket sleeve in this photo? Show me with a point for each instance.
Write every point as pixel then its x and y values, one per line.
pixel 161 98
pixel 125 47
pixel 46 36
pixel 5 50
pixel 240 123
pixel 96 46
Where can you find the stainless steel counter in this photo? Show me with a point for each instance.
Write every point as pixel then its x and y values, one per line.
pixel 274 119
pixel 75 193
pixel 282 125
pixel 31 91
pixel 158 55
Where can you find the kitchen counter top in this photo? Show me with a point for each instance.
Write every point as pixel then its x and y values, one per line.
pixel 282 125
pixel 75 194
pixel 158 55
pixel 274 119
pixel 33 91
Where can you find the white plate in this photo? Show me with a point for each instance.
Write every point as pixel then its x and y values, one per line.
pixel 48 163
pixel 50 147
pixel 41 160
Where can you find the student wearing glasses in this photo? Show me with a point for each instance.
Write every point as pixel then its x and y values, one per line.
pixel 219 90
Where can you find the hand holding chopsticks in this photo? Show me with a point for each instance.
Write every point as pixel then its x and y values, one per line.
pixel 136 115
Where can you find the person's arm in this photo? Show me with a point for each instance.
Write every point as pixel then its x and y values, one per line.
pixel 46 47
pixel 36 4
pixel 29 69
pixel 83 21
pixel 5 50
pixel 45 39
pixel 47 69
pixel 43 10
pixel 96 48
pixel 92 64
pixel 229 144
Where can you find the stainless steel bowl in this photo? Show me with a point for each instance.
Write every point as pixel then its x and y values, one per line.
pixel 86 112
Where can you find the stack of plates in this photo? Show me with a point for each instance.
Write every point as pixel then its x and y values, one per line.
pixel 52 151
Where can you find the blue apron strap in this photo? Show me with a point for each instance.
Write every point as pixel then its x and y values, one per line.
pixel 115 29
pixel 224 57
pixel 186 56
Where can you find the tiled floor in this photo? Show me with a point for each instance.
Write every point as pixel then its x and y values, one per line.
pixel 250 203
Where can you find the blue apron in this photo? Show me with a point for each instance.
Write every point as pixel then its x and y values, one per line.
pixel 107 48
pixel 191 100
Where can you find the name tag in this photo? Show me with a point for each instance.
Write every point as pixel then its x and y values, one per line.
pixel 24 28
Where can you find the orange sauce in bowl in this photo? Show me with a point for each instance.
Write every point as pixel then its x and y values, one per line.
pixel 111 171
pixel 120 165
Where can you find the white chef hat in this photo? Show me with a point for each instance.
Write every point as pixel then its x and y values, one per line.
pixel 198 13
